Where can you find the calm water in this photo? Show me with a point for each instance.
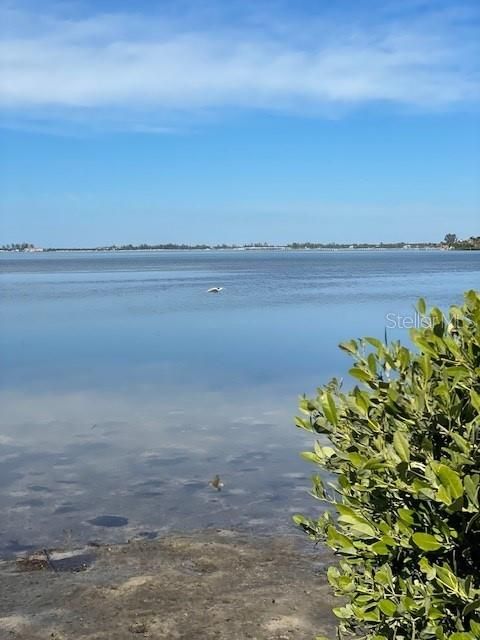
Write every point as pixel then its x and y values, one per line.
pixel 125 387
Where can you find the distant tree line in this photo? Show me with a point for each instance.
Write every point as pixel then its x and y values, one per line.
pixel 22 246
pixel 451 241
pixel 470 244
pixel 362 245
pixel 255 245
pixel 169 245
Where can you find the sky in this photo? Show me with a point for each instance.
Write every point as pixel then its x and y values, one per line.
pixel 238 121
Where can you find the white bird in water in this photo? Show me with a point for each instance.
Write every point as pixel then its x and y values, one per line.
pixel 215 290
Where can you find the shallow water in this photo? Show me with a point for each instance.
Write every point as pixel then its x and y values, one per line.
pixel 125 387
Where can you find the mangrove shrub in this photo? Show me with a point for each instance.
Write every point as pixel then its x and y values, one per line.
pixel 399 471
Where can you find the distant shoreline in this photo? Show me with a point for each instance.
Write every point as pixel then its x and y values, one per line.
pixel 472 244
pixel 224 249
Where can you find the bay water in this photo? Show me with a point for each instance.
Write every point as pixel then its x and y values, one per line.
pixel 125 387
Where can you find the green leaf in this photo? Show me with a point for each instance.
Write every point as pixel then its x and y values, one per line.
pixel 400 444
pixel 380 549
pixel 475 399
pixel 357 460
pixel 426 364
pixel 349 347
pixel 446 577
pixel 426 542
pixel 384 576
pixel 475 627
pixel 303 423
pixel 372 364
pixel 387 607
pixel 360 374
pixel 425 346
pixel 461 443
pixel 375 342
pixel 356 522
pixel 444 496
pixel 471 489
pixel 472 606
pixel 343 612
pixel 323 453
pixel 388 540
pixel 329 409
pixel 406 515
pixel 369 615
pixel 450 480
pixel 340 542
pixel 408 603
pixel 361 400
pixel 459 372
pixel 310 456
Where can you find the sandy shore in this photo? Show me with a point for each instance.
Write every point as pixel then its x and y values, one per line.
pixel 213 585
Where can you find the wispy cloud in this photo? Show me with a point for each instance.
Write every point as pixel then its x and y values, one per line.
pixel 148 69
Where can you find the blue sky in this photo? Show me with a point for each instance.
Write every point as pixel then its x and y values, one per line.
pixel 239 121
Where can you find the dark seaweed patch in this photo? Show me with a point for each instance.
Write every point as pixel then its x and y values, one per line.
pixel 109 521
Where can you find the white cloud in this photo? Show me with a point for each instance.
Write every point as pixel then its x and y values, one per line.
pixel 147 68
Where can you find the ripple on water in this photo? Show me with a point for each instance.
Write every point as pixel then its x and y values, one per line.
pixel 166 460
pixel 67 507
pixel 151 483
pixel 194 485
pixel 148 494
pixel 31 502
pixel 38 488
